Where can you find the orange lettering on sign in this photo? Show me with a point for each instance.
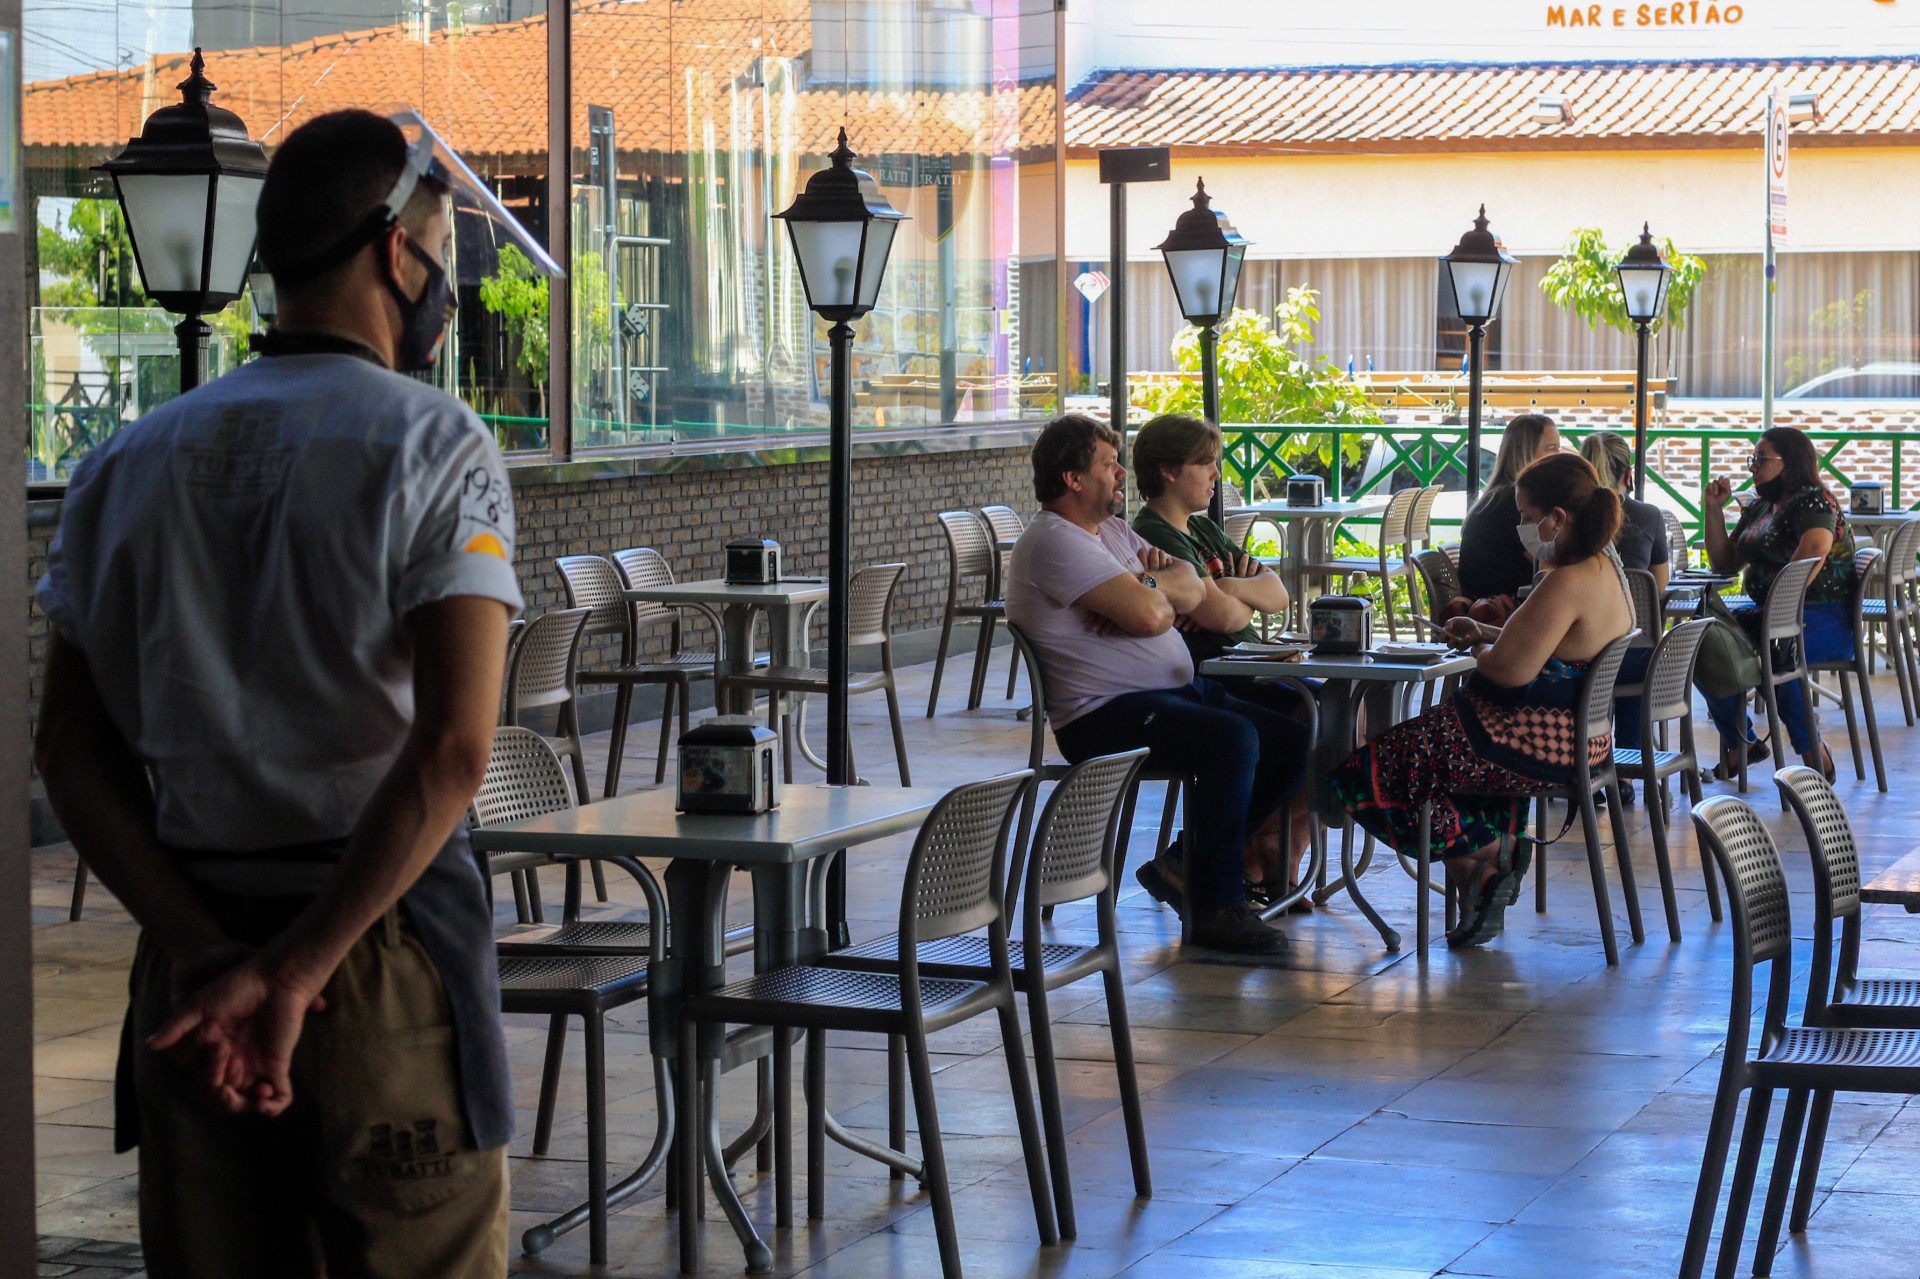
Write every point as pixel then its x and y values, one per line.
pixel 1666 13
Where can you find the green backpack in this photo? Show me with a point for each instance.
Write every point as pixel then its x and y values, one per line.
pixel 1729 662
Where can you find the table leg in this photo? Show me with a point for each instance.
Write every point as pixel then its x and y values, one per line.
pixel 737 641
pixel 787 640
pixel 1316 870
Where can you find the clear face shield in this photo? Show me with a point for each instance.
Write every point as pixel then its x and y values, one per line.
pixel 482 227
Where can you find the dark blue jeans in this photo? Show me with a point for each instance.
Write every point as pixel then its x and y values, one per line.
pixel 1246 762
pixel 1626 711
pixel 1829 637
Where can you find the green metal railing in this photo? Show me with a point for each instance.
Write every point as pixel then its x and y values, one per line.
pixel 1429 451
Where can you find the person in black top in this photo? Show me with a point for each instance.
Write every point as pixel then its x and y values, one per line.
pixel 1492 560
pixel 1642 542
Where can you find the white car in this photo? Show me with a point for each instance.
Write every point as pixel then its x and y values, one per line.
pixel 1885 380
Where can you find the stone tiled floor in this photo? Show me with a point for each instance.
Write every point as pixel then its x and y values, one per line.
pixel 1518 1110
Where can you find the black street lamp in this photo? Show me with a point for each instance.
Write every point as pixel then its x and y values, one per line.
pixel 1478 268
pixel 188 186
pixel 841 227
pixel 1204 255
pixel 1644 277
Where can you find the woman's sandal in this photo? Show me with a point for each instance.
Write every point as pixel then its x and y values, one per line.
pixel 1728 769
pixel 1482 921
pixel 1264 893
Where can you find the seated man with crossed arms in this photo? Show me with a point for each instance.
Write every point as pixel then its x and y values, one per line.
pixel 1099 605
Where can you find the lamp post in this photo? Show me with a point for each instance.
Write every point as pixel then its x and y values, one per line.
pixel 1644 277
pixel 841 227
pixel 1478 268
pixel 188 186
pixel 1204 255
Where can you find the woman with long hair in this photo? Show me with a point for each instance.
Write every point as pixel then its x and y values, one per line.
pixel 1641 544
pixel 1792 517
pixel 1509 730
pixel 1493 563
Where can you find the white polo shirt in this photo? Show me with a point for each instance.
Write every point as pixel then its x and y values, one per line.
pixel 237 566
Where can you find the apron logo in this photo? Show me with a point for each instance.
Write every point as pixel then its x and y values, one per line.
pixel 405 1153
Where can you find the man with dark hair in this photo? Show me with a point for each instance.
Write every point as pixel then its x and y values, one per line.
pixel 279 608
pixel 1099 605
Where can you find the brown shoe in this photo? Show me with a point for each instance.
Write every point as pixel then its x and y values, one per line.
pixel 1239 930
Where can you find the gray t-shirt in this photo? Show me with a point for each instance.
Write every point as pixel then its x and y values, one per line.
pixel 1642 540
pixel 236 566
pixel 1054 564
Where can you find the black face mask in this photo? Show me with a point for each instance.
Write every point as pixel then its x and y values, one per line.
pixel 423 320
pixel 1772 490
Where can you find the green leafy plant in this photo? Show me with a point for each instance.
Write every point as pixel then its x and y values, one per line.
pixel 1583 281
pixel 518 295
pixel 1266 380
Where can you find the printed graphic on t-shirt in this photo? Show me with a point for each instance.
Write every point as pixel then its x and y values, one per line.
pixel 486 513
pixel 244 459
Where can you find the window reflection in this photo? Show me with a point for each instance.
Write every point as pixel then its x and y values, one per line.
pixel 694 122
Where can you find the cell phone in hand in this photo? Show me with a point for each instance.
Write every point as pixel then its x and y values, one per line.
pixel 1429 623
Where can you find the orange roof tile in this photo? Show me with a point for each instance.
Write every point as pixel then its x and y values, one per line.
pixel 1459 108
pixel 484 88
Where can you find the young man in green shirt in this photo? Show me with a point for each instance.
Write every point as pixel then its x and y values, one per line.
pixel 1176 466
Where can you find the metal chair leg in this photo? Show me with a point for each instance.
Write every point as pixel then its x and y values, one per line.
pixel 1740 1198
pixel 899 735
pixel 782 1127
pixel 933 1152
pixel 1662 860
pixel 1123 1065
pixel 550 1082
pixel 617 743
pixel 1540 857
pixel 817 1122
pixel 1873 734
pixel 596 1140
pixel 1777 1184
pixel 79 889
pixel 1816 1145
pixel 1713 1171
pixel 940 657
pixel 1623 858
pixel 982 654
pixel 896 1101
pixel 1046 1072
pixel 1029 1123
pixel 1597 869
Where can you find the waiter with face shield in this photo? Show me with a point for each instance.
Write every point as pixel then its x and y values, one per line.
pixel 279 608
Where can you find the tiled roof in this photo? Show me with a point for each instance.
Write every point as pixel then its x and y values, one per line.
pixel 484 88
pixel 1615 106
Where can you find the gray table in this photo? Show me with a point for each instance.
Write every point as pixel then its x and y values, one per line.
pixel 1389 686
pixel 779 848
pixel 1873 524
pixel 786 604
pixel 1897 885
pixel 1309 531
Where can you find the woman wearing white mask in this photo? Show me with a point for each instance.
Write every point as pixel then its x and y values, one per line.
pixel 1509 731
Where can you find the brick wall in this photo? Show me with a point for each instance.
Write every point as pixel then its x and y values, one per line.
pixel 690 515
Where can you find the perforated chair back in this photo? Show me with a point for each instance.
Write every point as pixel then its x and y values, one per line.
pixel 1868 577
pixel 1668 685
pixel 1783 616
pixel 1678 553
pixel 1238 527
pixel 1440 578
pixel 544 661
pixel 1072 853
pixel 1421 528
pixel 1594 714
pixel 1396 521
pixel 524 778
pixel 643 566
pixel 870 598
pixel 1648 610
pixel 953 880
pixel 592 582
pixel 1756 885
pixel 1005 522
pixel 969 549
pixel 1902 550
pixel 1836 858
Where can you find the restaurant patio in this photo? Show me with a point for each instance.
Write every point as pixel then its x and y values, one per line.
pixel 1341 1112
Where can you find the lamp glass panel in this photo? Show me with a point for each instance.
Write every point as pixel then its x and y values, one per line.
pixel 233 233
pixel 1196 280
pixel 1645 291
pixel 1230 286
pixel 873 259
pixel 1475 286
pixel 167 218
pixel 829 254
pixel 1503 274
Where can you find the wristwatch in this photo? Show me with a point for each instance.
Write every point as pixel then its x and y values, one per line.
pixel 1147 579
